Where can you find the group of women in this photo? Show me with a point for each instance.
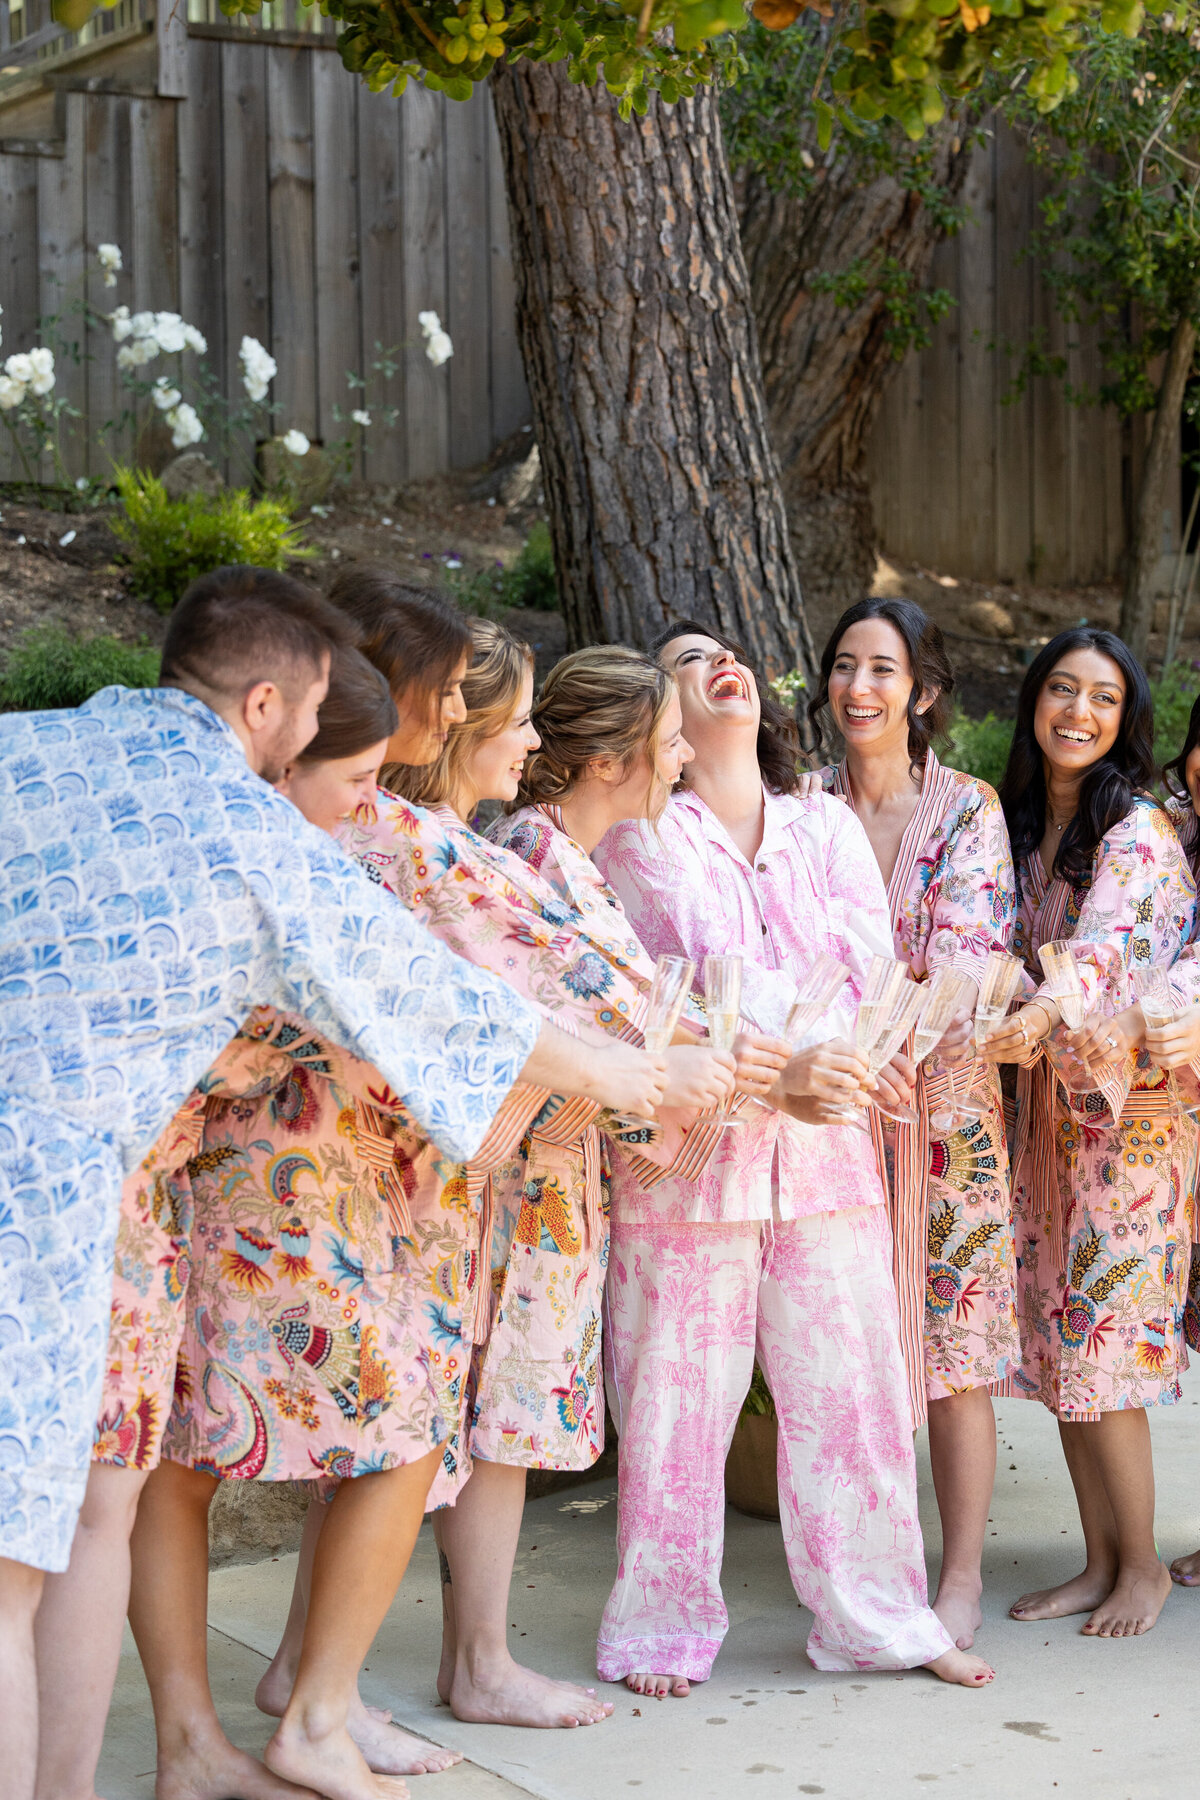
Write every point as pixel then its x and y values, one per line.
pixel 305 1289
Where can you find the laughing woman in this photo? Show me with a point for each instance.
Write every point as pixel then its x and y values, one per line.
pixel 781 1250
pixel 941 843
pixel 1103 1206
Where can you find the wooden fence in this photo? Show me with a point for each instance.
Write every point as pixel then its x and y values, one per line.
pixel 963 480
pixel 258 188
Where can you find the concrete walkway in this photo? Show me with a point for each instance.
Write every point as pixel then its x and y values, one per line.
pixel 1068 1718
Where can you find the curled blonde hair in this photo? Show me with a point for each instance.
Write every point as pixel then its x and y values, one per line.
pixel 490 690
pixel 605 701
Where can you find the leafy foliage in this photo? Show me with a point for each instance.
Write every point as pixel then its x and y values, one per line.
pixel 49 669
pixel 529 581
pixel 171 542
pixel 905 57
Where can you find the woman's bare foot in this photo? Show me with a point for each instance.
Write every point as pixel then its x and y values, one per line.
pixel 961 1670
pixel 275 1690
pixel 1083 1593
pixel 957 1606
pixel 1134 1604
pixel 389 1750
pixel 513 1695
pixel 1186 1570
pixel 657 1687
pixel 212 1769
pixel 329 1762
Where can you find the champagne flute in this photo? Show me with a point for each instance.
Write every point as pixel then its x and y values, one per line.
pixel 669 989
pixel 900 1017
pixel 999 980
pixel 815 995
pixel 949 991
pixel 882 983
pixel 1158 1008
pixel 722 1005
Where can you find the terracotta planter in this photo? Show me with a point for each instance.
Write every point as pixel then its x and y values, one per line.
pixel 750 1479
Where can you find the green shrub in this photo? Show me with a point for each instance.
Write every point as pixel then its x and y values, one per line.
pixel 49 669
pixel 171 542
pixel 1174 691
pixel 529 582
pixel 979 746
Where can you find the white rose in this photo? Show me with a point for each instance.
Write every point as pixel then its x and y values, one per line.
pixel 19 367
pixel 110 256
pixel 164 395
pixel 429 321
pixel 258 368
pixel 42 363
pixel 122 324
pixel 438 348
pixel 361 417
pixel 169 330
pixel 296 442
pixel 195 340
pixel 134 354
pixel 11 393
pixel 185 426
pixel 142 324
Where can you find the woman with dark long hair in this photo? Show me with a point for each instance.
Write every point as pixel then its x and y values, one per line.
pixel 1102 1205
pixel 780 1251
pixel 941 843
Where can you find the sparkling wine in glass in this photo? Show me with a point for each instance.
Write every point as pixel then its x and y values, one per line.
pixel 669 989
pixel 1158 1008
pixel 722 1006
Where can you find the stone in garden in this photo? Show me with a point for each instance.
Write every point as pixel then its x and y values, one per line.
pixel 989 619
pixel 301 480
pixel 522 482
pixel 191 473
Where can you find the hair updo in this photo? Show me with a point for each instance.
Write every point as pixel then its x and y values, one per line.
pixel 605 701
pixel 491 689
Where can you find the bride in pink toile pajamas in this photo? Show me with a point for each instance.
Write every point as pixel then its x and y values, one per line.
pixel 781 1249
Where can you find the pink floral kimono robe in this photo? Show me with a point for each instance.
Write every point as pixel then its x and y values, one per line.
pixel 1185 983
pixel 780 1250
pixel 537 1400
pixel 1103 1208
pixel 952 897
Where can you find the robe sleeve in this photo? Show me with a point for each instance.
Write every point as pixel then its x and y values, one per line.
pixel 972 894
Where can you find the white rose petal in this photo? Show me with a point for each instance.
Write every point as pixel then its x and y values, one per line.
pixel 429 321
pixel 185 426
pixel 296 442
pixel 134 354
pixel 19 367
pixel 169 330
pixel 142 324
pixel 81 484
pixel 195 340
pixel 361 417
pixel 41 363
pixel 110 256
pixel 68 537
pixel 164 395
pixel 258 368
pixel 438 348
pixel 11 393
pixel 122 324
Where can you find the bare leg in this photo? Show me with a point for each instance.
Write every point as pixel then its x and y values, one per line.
pixel 168 1609
pixel 478 1537
pixel 20 1591
pixel 387 1749
pixel 1087 1590
pixel 962 1453
pixel 1121 1452
pixel 361 1555
pixel 78 1631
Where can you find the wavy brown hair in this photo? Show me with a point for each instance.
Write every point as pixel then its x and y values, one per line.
pixel 357 712
pixel 605 701
pixel 415 637
pixel 491 689
pixel 778 739
pixel 927 659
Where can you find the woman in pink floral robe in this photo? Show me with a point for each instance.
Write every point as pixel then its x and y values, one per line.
pixel 781 1249
pixel 942 845
pixel 1103 1205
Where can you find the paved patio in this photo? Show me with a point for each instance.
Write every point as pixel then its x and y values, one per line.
pixel 1068 1718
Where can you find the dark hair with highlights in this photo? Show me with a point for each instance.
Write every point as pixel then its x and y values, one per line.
pixel 1109 788
pixel 1174 773
pixel 357 712
pixel 778 738
pixel 415 637
pixel 927 658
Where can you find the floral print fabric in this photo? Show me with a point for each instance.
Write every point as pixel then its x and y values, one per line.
pixel 1104 1207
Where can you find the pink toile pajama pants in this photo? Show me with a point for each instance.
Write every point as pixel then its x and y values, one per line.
pixel 688 1307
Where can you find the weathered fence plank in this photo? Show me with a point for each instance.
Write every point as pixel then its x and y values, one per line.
pixel 339 331
pixel 382 256
pixel 510 396
pixel 428 412
pixel 61 262
pixel 468 256
pixel 108 192
pixel 290 196
pixel 247 285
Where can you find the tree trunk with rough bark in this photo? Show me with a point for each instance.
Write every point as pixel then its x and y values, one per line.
pixel 1162 464
pixel 635 323
pixel 826 366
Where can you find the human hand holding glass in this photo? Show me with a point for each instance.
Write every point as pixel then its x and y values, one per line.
pixel 999 979
pixel 722 1006
pixel 669 989
pixel 1158 1009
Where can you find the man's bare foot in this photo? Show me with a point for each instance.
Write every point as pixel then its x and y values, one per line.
pixel 957 1606
pixel 1134 1604
pixel 211 1769
pixel 1186 1570
pixel 961 1670
pixel 1083 1593
pixel 513 1695
pixel 657 1687
pixel 329 1762
pixel 391 1751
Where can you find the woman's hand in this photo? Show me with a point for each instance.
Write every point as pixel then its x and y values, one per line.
pixel 810 785
pixel 834 1073
pixel 760 1061
pixel 957 1043
pixel 625 1079
pixel 1173 1046
pixel 895 1082
pixel 1103 1040
pixel 698 1077
pixel 1016 1038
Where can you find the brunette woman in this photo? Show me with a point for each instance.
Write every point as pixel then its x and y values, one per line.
pixel 1103 1206
pixel 941 843
pixel 781 1250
